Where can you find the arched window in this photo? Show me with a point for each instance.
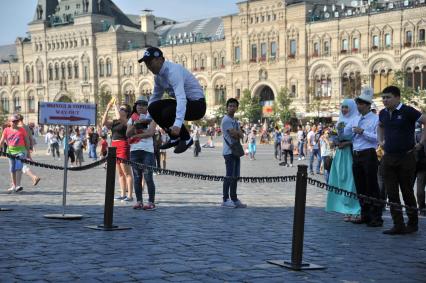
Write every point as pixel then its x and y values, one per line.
pixel 50 72
pixel 101 68
pixel 108 67
pixel 69 67
pixel 32 74
pixel 27 74
pixel 76 70
pixel 56 71
pixel 31 104
pixel 63 71
pixel 5 104
pixel 16 103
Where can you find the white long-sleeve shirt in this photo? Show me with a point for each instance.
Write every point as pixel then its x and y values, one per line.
pixel 180 84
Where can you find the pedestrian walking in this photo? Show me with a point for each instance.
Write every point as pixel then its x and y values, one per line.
pixel 287 147
pixel 93 139
pixel 326 153
pixel 301 139
pixel 313 138
pixel 252 144
pixel 396 135
pixel 277 143
pixel 17 145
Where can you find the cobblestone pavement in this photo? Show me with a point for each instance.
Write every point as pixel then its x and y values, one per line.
pixel 190 238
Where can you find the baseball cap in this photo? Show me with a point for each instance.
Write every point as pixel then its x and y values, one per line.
pixel 14 117
pixel 151 53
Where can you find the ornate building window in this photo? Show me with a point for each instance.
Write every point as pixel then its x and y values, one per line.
pixel 316 50
pixel 16 103
pixel 273 51
pixel 376 42
pixel 108 67
pixel 27 74
pixel 293 48
pixel 220 91
pixel 388 40
pixel 85 73
pixel 253 54
pixel 56 71
pixel 101 68
pixel 263 51
pixel 5 103
pixel 355 45
pixel 31 103
pixel 345 46
pixel 326 49
pixel 293 90
pixel 69 70
pixel 76 70
pixel 50 71
pixel 130 69
pixel 237 54
pixel 351 81
pixel 415 74
pixel 63 71
pixel 39 76
pixel 408 38
pixel 422 36
pixel 321 82
pixel 32 74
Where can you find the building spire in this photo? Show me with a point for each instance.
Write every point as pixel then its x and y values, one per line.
pixel 44 9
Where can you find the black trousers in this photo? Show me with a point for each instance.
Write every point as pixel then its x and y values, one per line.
pixel 399 171
pixel 164 114
pixel 365 166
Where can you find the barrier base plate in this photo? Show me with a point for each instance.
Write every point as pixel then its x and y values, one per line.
pixel 5 209
pixel 64 216
pixel 104 228
pixel 303 266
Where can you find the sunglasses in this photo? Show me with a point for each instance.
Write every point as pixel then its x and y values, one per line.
pixel 142 104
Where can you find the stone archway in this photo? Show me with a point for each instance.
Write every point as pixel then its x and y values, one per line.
pixel 64 98
pixel 266 100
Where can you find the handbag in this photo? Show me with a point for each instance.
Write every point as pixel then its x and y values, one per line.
pixel 236 148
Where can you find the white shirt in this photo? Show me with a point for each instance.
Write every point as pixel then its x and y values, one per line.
pixel 179 83
pixel 368 139
pixel 144 144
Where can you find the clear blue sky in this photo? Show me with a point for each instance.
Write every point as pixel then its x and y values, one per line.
pixel 16 14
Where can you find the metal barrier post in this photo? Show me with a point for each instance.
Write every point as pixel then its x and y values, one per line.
pixel 109 195
pixel 65 183
pixel 296 262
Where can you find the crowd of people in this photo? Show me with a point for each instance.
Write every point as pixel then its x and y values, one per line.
pixel 374 154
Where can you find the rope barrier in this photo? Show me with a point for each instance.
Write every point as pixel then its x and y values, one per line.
pixel 213 178
pixel 54 167
pixel 366 199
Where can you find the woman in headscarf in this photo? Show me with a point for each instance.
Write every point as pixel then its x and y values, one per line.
pixel 341 175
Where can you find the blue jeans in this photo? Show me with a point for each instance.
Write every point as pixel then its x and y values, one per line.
pixel 300 147
pixel 232 164
pixel 326 173
pixel 147 158
pixel 315 152
pixel 92 151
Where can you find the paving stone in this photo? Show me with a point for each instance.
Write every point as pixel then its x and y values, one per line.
pixel 190 238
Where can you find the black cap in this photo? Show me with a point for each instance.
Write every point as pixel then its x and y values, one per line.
pixel 151 53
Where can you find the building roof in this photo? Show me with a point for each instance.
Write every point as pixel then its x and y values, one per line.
pixel 158 21
pixel 64 12
pixel 7 52
pixel 210 29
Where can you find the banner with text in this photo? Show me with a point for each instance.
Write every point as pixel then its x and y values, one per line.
pixel 63 113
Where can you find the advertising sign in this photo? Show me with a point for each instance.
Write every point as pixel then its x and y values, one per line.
pixel 67 114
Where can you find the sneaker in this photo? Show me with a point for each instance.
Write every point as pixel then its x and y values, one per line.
pixel 303 158
pixel 299 158
pixel 138 205
pixel 128 199
pixel 11 190
pixel 411 229
pixel 183 146
pixel 170 144
pixel 120 198
pixel 229 204
pixel 19 189
pixel 149 206
pixel 291 165
pixel 239 204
